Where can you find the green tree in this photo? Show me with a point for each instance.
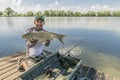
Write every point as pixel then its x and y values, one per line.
pixel 104 13
pixel 55 13
pixel 38 13
pixel 29 13
pixel 46 13
pixel 69 13
pixel 61 13
pixel 1 13
pixel 90 13
pixel 21 15
pixel 51 13
pixel 116 13
pixel 107 13
pixel 9 11
pixel 13 13
pixel 77 14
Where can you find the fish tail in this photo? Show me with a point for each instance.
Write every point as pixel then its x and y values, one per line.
pixel 61 39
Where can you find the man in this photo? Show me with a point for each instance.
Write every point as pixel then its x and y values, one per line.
pixel 35 48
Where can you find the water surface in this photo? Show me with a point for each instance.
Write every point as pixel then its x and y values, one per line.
pixel 101 37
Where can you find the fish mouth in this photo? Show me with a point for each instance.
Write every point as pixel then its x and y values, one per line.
pixel 23 36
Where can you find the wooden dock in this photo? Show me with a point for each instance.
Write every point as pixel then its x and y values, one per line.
pixel 8 69
pixel 8 66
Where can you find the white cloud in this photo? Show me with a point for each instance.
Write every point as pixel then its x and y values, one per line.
pixel 62 8
pixel 56 2
pixel 54 6
pixel 40 8
pixel 4 4
pixel 14 2
pixel 17 5
pixel 98 7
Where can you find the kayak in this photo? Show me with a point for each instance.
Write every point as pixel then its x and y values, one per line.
pixel 53 67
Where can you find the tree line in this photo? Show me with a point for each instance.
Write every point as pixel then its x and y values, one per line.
pixel 9 12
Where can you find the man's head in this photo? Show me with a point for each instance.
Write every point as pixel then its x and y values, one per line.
pixel 39 22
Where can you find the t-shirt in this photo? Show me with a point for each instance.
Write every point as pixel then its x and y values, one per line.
pixel 37 49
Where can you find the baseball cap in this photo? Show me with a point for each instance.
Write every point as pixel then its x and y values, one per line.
pixel 39 18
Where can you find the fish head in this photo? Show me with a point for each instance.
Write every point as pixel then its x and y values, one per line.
pixel 26 36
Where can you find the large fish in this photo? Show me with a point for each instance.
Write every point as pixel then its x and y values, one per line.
pixel 43 36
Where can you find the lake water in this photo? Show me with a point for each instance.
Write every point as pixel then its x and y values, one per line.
pixel 98 37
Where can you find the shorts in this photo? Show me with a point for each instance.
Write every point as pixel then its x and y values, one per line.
pixel 31 60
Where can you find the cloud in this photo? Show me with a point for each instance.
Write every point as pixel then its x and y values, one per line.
pixel 56 2
pixel 4 4
pixel 98 7
pixel 17 5
pixel 20 8
pixel 14 2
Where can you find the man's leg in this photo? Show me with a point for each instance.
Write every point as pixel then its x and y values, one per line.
pixel 24 64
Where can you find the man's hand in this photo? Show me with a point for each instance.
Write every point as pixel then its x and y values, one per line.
pixel 31 43
pixel 47 43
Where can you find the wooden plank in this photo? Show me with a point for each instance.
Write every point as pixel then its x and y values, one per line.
pixel 7 66
pixel 13 76
pixel 11 60
pixel 7 74
pixel 9 63
pixel 11 56
pixel 5 57
pixel 7 69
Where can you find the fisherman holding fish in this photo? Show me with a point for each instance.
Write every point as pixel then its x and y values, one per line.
pixel 35 48
pixel 36 37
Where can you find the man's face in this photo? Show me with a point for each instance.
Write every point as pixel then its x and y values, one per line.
pixel 39 24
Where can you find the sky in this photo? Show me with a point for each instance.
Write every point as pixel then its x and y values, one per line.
pixel 22 6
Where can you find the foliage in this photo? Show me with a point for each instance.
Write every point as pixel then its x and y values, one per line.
pixel 38 13
pixel 29 13
pixel 104 13
pixel 90 13
pixel 116 13
pixel 1 13
pixel 46 13
pixel 9 11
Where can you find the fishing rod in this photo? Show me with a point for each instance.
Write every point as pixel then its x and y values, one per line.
pixel 48 67
pixel 63 55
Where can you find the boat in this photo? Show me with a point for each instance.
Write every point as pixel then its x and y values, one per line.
pixel 54 67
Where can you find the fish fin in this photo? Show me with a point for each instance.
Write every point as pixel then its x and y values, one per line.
pixel 61 39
